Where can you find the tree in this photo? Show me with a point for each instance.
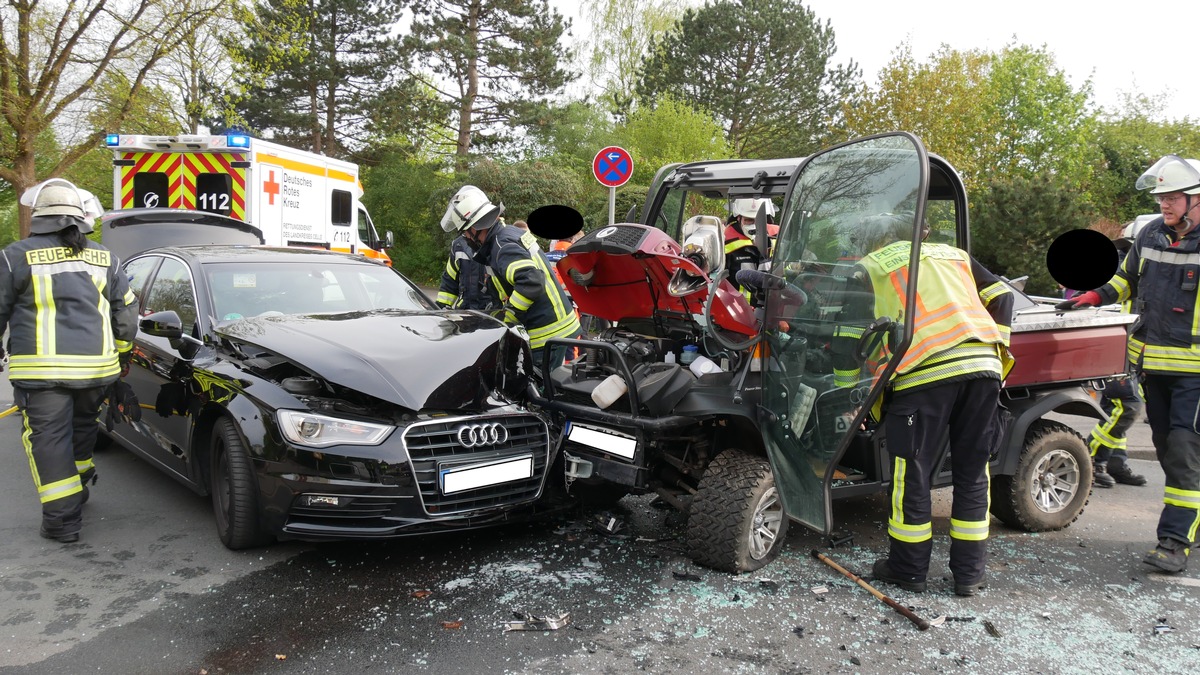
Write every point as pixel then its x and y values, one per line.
pixel 497 63
pixel 1017 217
pixel 53 58
pixel 761 67
pixel 1011 113
pixel 317 69
pixel 1130 139
pixel 671 131
pixel 622 33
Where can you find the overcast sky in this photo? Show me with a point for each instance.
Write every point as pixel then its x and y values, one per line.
pixel 1147 47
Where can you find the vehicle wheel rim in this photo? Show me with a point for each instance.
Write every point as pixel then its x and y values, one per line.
pixel 765 524
pixel 1056 481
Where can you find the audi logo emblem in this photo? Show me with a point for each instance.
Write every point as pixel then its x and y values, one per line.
pixel 480 435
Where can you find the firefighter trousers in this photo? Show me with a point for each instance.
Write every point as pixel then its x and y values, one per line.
pixel 1123 404
pixel 1173 406
pixel 59 431
pixel 915 424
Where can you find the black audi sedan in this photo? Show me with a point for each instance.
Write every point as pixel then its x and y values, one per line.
pixel 318 395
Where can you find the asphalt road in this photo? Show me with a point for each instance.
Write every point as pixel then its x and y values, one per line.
pixel 150 589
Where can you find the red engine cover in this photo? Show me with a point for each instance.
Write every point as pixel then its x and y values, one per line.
pixel 626 269
pixel 1046 356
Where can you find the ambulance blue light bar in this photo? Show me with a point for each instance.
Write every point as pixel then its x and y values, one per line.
pixel 112 139
pixel 239 141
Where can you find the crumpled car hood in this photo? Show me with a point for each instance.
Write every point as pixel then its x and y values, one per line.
pixel 417 360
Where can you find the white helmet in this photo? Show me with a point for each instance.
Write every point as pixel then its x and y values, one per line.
pixel 748 207
pixel 59 197
pixel 1172 173
pixel 470 207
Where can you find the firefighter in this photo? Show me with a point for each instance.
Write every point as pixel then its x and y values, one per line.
pixel 948 380
pixel 740 251
pixel 1160 274
pixel 71 318
pixel 465 283
pixel 531 295
pixel 1122 402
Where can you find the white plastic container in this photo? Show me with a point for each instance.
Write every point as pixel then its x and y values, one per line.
pixel 669 357
pixel 608 391
pixel 703 366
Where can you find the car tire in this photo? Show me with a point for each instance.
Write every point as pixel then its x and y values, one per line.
pixel 737 522
pixel 1052 482
pixel 234 489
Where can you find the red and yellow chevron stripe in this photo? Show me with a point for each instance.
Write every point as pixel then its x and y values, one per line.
pixel 152 162
pixel 222 163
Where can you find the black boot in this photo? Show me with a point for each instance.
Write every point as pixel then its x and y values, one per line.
pixel 1169 556
pixel 1100 477
pixel 1125 476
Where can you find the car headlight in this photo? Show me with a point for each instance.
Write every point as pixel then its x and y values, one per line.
pixel 319 431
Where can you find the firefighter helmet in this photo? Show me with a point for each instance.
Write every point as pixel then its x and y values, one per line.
pixel 51 199
pixel 1172 173
pixel 470 207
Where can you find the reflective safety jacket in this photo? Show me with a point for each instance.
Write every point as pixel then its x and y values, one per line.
pixel 465 283
pixel 962 318
pixel 68 315
pixel 742 254
pixel 527 287
pixel 1160 276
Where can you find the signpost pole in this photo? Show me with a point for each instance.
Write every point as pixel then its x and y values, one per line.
pixel 612 205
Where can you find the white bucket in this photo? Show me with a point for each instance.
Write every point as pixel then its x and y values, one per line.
pixel 608 391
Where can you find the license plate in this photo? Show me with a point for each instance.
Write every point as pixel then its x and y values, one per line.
pixel 483 475
pixel 604 440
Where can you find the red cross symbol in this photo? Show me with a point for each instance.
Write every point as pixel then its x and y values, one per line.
pixel 271 188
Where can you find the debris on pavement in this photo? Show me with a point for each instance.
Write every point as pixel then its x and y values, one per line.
pixel 452 625
pixel 607 523
pixel 421 595
pixel 991 629
pixel 531 622
pixel 798 631
pixel 1163 627
pixel 819 590
pixel 685 576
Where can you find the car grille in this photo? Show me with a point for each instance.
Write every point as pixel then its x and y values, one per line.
pixel 434 445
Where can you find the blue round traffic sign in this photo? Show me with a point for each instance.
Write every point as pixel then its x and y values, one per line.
pixel 612 166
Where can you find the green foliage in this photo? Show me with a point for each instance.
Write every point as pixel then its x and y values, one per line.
pixel 407 197
pixel 1007 114
pixel 761 67
pixel 1017 218
pixel 496 63
pixel 572 136
pixel 313 69
pixel 670 131
pixel 524 186
pixel 622 33
pixel 1130 140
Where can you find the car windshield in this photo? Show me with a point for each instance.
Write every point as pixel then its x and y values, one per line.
pixel 243 289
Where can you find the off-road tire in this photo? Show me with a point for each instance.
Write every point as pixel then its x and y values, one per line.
pixel 737 487
pixel 1052 450
pixel 234 489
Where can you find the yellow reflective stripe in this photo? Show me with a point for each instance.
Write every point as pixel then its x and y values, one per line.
pixel 66 360
pixel 849 331
pixel 899 467
pixel 104 309
pixel 1005 333
pixel 567 326
pixel 26 433
pixel 1188 499
pixel 968 530
pixel 451 268
pixel 84 465
pixel 845 378
pixel 1101 434
pixel 520 302
pixel 911 534
pixel 130 298
pixel 737 244
pixel 60 488
pixel 992 292
pixel 124 346
pixel 511 271
pixel 447 299
pixel 43 301
pixel 50 373
pixel 552 289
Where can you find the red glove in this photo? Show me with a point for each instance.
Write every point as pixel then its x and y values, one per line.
pixel 1089 299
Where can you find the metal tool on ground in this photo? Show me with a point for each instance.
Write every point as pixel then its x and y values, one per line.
pixel 922 624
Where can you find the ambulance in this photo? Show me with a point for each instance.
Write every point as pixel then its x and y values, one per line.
pixel 295 198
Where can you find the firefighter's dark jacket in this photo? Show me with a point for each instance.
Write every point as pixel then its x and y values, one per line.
pixel 527 287
pixel 465 283
pixel 1161 279
pixel 69 315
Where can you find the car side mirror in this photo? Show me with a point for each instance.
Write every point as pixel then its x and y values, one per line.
pixel 166 324
pixel 389 239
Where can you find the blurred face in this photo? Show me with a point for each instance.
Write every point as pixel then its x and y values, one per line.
pixel 747 225
pixel 1174 207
